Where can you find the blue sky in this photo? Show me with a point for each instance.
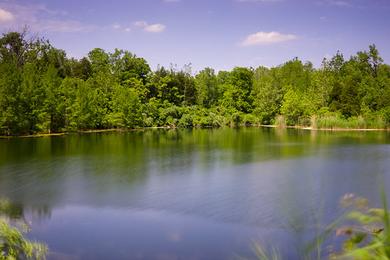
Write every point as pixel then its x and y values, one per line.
pixel 220 34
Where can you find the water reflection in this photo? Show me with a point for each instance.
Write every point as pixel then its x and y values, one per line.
pixel 201 193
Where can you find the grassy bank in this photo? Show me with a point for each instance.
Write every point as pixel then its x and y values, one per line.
pixel 336 122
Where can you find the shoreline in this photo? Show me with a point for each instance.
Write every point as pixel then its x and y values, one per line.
pixel 168 127
pixel 335 129
pixel 83 132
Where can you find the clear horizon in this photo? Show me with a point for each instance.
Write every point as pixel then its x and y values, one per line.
pixel 218 34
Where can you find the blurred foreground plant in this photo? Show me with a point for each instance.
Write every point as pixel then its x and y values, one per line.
pixel 13 244
pixel 366 233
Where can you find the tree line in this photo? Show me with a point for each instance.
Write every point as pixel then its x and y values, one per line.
pixel 44 91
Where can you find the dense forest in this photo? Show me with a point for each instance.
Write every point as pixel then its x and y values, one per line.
pixel 44 91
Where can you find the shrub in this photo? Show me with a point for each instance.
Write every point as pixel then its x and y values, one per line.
pixel 13 245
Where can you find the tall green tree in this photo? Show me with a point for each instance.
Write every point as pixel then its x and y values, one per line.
pixel 206 85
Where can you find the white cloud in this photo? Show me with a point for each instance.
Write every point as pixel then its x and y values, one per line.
pixel 153 28
pixel 141 24
pixel 38 18
pixel 6 16
pixel 120 28
pixel 60 26
pixel 265 38
pixel 116 26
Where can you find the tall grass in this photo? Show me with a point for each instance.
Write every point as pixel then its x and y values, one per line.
pixel 13 244
pixel 334 121
pixel 280 121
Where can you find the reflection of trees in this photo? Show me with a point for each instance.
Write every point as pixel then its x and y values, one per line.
pixel 40 212
pixel 11 210
pixel 109 168
pixel 18 211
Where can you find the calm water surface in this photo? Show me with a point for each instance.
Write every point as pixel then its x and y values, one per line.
pixel 200 194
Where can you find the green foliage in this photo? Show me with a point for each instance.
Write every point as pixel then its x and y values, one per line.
pixel 295 105
pixel 237 88
pixel 331 120
pixel 126 108
pixel 43 91
pixel 267 94
pixel 206 84
pixel 367 235
pixel 13 245
pixel 262 254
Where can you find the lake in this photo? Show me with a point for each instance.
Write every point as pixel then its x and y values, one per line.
pixel 188 194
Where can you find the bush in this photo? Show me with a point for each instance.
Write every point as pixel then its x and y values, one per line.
pixel 304 121
pixel 185 121
pixel 250 120
pixel 13 245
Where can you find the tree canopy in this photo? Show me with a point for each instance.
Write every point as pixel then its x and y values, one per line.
pixel 44 91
